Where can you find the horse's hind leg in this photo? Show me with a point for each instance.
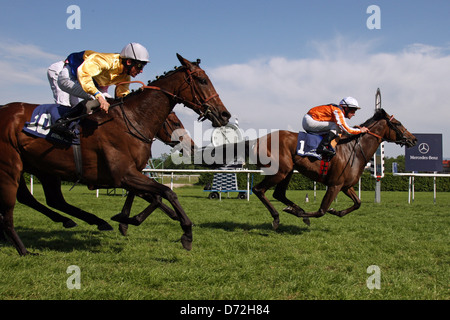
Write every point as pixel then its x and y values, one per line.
pixel 280 195
pixel 260 191
pixel 8 190
pixel 55 199
pixel 25 197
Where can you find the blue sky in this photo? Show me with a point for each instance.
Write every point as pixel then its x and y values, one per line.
pixel 269 60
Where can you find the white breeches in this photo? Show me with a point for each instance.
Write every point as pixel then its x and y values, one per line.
pixel 61 97
pixel 319 127
pixel 70 84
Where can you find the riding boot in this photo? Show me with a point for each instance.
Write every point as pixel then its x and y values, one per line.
pixel 62 125
pixel 325 147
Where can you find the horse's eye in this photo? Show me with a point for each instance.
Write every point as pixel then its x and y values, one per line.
pixel 203 81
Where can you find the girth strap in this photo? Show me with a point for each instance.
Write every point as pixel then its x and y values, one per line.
pixel 78 163
pixel 323 169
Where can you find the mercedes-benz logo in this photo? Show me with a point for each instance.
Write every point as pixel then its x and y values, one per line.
pixel 424 148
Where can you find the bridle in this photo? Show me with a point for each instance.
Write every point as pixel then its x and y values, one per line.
pixel 392 126
pixel 202 108
pixel 169 127
pixel 196 105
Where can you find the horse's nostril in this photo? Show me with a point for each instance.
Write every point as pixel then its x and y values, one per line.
pixel 226 114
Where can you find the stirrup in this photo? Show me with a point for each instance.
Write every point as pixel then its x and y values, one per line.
pixel 326 151
pixel 63 129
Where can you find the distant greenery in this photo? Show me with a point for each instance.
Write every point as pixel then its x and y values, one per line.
pixel 388 183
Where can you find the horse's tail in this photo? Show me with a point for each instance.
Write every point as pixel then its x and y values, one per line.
pixel 223 155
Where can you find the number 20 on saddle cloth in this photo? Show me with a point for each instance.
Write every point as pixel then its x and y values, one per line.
pixel 307 144
pixel 43 117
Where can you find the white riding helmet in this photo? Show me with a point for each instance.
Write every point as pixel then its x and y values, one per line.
pixel 135 51
pixel 349 102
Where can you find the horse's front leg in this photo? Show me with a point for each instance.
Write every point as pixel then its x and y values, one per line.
pixel 330 195
pixel 349 192
pixel 142 185
pixel 124 216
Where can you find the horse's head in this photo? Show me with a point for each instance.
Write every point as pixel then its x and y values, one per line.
pixel 201 93
pixel 173 132
pixel 393 131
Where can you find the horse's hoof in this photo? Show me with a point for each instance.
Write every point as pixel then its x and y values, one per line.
pixel 69 224
pixel 306 221
pixel 105 227
pixel 28 253
pixel 123 228
pixel 186 242
pixel 275 224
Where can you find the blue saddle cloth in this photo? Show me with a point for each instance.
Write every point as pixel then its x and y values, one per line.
pixel 307 144
pixel 44 116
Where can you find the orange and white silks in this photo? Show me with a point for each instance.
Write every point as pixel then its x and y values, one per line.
pixel 332 113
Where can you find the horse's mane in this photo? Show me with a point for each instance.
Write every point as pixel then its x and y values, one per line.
pixel 150 83
pixel 378 115
pixel 163 76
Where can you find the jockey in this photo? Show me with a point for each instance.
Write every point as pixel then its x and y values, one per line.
pixel 88 74
pixel 330 120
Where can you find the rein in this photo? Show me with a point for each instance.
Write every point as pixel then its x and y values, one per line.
pixel 375 135
pixel 178 99
pixel 391 126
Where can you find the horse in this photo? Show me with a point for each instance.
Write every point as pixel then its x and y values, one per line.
pixel 115 146
pixel 344 169
pixel 171 133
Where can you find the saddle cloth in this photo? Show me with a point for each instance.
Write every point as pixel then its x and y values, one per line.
pixel 307 144
pixel 44 116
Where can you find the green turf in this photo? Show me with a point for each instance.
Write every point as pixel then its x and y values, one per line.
pixel 236 254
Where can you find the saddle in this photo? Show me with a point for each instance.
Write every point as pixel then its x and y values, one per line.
pixel 46 115
pixel 307 144
pixel 43 117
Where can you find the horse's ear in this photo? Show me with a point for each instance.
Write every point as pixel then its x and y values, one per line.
pixel 380 114
pixel 183 61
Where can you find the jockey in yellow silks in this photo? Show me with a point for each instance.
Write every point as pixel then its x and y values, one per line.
pixel 88 74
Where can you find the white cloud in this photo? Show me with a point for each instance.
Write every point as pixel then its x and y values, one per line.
pixel 275 93
pixel 24 71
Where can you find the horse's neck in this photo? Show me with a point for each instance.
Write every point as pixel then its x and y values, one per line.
pixel 369 143
pixel 152 107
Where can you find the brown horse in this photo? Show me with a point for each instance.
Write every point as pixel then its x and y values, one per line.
pixel 172 133
pixel 344 171
pixel 115 146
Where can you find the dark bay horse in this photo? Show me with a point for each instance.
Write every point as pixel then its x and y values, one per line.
pixel 344 171
pixel 115 146
pixel 171 133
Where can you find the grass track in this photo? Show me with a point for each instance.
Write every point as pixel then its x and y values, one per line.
pixel 236 254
